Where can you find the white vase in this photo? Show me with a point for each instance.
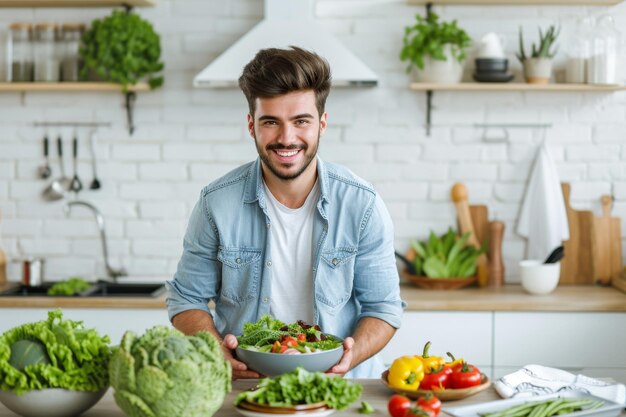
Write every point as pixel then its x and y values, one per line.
pixel 449 71
pixel 538 70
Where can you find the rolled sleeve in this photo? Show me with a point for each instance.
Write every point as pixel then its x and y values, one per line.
pixel 197 275
pixel 377 284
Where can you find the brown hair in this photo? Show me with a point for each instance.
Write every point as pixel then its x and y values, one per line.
pixel 274 72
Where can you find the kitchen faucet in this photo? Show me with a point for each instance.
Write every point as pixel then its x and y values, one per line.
pixel 111 272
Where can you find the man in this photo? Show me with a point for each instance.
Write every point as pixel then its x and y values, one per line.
pixel 289 234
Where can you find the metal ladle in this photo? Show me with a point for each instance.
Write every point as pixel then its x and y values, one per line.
pixel 60 186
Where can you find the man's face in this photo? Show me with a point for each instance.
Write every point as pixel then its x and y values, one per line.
pixel 286 130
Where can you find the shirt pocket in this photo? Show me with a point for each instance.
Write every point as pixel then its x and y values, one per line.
pixel 240 272
pixel 335 276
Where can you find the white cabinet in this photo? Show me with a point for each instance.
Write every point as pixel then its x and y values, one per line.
pixel 592 343
pixel 500 342
pixel 112 322
pixel 463 333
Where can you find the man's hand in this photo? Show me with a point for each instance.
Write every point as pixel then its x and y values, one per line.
pixel 240 369
pixel 345 363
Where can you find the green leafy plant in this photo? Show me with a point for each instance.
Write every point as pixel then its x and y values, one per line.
pixel 122 48
pixel 447 256
pixel 53 353
pixel 544 49
pixel 165 373
pixel 69 287
pixel 303 387
pixel 428 37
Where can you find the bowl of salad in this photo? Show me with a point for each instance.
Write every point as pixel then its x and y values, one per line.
pixel 272 347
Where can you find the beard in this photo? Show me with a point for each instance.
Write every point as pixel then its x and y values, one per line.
pixel 277 168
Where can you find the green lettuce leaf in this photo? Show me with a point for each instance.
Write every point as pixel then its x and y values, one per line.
pixel 77 357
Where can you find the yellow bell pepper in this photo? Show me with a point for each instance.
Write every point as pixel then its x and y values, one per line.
pixel 455 364
pixel 430 362
pixel 406 372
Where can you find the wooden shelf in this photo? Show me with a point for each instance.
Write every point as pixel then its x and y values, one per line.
pixel 69 86
pixel 520 2
pixel 515 87
pixel 76 3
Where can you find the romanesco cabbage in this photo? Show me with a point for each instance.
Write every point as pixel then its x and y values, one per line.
pixel 165 373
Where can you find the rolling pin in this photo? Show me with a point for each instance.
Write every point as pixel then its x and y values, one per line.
pixel 459 197
pixel 496 264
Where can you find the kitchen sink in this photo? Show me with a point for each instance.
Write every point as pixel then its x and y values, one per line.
pixel 98 289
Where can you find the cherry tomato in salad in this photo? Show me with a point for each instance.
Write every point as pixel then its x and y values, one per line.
pixel 467 376
pixel 289 341
pixel 301 337
pixel 430 402
pixel 398 405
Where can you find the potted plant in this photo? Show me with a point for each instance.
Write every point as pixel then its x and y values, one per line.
pixel 538 66
pixel 122 48
pixel 435 49
pixel 443 262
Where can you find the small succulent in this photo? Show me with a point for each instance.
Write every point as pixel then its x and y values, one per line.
pixel 546 42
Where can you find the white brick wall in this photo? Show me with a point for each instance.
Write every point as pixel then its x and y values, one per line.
pixel 187 137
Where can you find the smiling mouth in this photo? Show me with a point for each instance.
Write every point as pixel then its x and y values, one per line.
pixel 287 154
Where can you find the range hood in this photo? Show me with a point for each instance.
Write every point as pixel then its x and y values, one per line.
pixel 287 22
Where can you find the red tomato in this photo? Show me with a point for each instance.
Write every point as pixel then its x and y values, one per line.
pixel 430 402
pixel 468 376
pixel 302 337
pixel 398 405
pixel 419 412
pixel 437 379
pixel 289 341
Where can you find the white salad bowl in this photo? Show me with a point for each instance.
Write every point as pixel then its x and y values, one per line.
pixel 50 402
pixel 274 364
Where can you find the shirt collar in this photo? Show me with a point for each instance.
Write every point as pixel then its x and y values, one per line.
pixel 254 182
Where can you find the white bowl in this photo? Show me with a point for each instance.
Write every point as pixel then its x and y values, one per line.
pixel 50 402
pixel 274 364
pixel 539 278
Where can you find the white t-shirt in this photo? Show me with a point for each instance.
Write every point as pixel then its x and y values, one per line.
pixel 291 236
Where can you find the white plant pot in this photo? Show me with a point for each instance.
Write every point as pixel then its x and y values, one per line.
pixel 538 70
pixel 449 71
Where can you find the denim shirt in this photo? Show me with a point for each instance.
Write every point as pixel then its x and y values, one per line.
pixel 227 258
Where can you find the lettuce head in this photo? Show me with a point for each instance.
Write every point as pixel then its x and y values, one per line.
pixel 53 353
pixel 165 373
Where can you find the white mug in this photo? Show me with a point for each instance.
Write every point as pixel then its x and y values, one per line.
pixel 491 46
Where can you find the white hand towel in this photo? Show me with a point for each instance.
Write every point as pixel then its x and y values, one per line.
pixel 543 218
pixel 537 379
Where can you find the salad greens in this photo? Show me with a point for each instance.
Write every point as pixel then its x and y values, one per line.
pixel 268 334
pixel 71 286
pixel 53 353
pixel 302 387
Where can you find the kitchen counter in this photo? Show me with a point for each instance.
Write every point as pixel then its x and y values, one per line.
pixel 80 302
pixel 374 392
pixel 584 298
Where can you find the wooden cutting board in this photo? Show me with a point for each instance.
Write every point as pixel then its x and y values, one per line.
pixel 601 243
pixel 577 264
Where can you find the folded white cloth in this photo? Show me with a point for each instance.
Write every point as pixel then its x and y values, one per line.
pixel 537 379
pixel 543 218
